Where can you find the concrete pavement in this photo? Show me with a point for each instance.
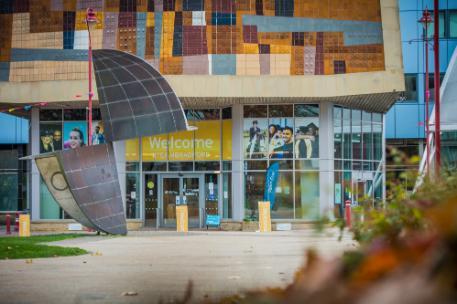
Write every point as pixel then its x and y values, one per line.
pixel 158 266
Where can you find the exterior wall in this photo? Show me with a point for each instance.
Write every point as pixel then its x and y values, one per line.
pixel 355 62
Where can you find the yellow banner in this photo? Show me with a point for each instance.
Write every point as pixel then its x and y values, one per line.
pixel 181 146
pixel 264 217
pixel 227 139
pixel 132 150
pixel 154 148
pixel 182 219
pixel 208 140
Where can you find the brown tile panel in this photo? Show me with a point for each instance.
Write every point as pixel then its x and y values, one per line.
pixel 6 26
pixel 42 19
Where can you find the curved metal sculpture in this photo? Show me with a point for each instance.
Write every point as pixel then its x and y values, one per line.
pixel 135 100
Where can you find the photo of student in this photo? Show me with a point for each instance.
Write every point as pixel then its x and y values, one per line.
pixel 307 138
pixel 50 137
pixel 254 138
pixel 281 138
pixel 74 134
pixel 97 133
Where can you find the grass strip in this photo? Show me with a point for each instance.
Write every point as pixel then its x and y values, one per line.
pixel 33 247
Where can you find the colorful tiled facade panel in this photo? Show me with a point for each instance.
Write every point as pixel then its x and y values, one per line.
pixel 48 39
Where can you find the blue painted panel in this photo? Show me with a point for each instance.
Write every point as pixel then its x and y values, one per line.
pixel 407 120
pixel 407 5
pixel 443 4
pixel 4 71
pixel 157 33
pixel 224 64
pixel 223 18
pixel 390 123
pixel 355 32
pixel 451 45
pixel 410 56
pixel 48 55
pixel 452 4
pixel 409 27
pixel 16 129
pixel 140 34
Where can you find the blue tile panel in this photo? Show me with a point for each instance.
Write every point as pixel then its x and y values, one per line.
pixel 355 32
pixel 224 64
pixel 140 34
pixel 48 55
pixel 157 32
pixel 4 71
pixel 223 19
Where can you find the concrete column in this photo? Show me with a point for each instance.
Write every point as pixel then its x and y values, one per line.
pixel 34 177
pixel 326 155
pixel 237 163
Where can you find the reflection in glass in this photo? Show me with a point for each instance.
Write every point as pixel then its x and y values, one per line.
pixel 132 196
pixel 281 138
pixel 171 196
pixel 280 111
pixel 254 183
pixel 190 197
pixel 283 206
pixel 337 132
pixel 307 195
pixel 50 137
pixel 227 195
pixel 256 111
pixel 150 199
pixel 211 194
pixel 307 137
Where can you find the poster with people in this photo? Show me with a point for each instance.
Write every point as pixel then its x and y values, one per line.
pixel 50 137
pixel 281 138
pixel 97 133
pixel 307 137
pixel 255 138
pixel 75 134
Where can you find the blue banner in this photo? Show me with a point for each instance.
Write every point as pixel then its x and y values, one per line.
pixel 270 183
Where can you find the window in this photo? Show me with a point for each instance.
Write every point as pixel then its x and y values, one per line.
pixel 431 84
pixel 410 88
pixel 452 24
pixel 442 25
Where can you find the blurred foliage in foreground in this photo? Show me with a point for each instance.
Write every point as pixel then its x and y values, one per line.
pixel 408 254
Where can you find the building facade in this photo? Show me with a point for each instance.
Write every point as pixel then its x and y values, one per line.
pixel 287 97
pixel 405 121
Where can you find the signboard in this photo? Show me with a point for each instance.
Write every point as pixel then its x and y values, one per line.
pixel 75 227
pixel 213 220
pixel 264 217
pixel 24 225
pixel 182 217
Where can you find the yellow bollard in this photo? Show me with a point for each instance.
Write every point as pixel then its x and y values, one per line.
pixel 264 217
pixel 24 225
pixel 182 219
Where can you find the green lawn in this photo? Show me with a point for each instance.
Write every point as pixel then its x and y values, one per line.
pixel 32 247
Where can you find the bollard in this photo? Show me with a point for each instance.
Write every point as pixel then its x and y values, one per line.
pixel 8 224
pixel 347 210
pixel 16 223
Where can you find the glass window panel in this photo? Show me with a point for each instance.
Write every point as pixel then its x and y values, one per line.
pixel 254 185
pixel 255 138
pixel 307 164
pixel 307 195
pixel 49 209
pixel 132 199
pixel 452 24
pixel 410 88
pixel 338 195
pixel 306 110
pixel 9 189
pixel 356 134
pixel 347 151
pixel 257 111
pixel 227 166
pixel 442 27
pixel 207 114
pixel 367 136
pixel 211 194
pixel 51 115
pixel 280 111
pixel 156 166
pixel 207 166
pixel 337 132
pixel 96 114
pixel 377 141
pixel 306 137
pixel 74 114
pixel 227 113
pixel 282 207
pixel 281 138
pixel 180 166
pixel 151 201
pixel 132 166
pixel 227 195
pixel 50 137
pixel 255 165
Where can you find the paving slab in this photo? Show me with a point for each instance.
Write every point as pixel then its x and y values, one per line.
pixel 158 266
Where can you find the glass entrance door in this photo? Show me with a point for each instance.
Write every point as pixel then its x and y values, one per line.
pixel 181 190
pixel 150 200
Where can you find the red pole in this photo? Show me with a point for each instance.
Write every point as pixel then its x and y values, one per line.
pixel 427 93
pixel 347 210
pixel 8 224
pixel 436 43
